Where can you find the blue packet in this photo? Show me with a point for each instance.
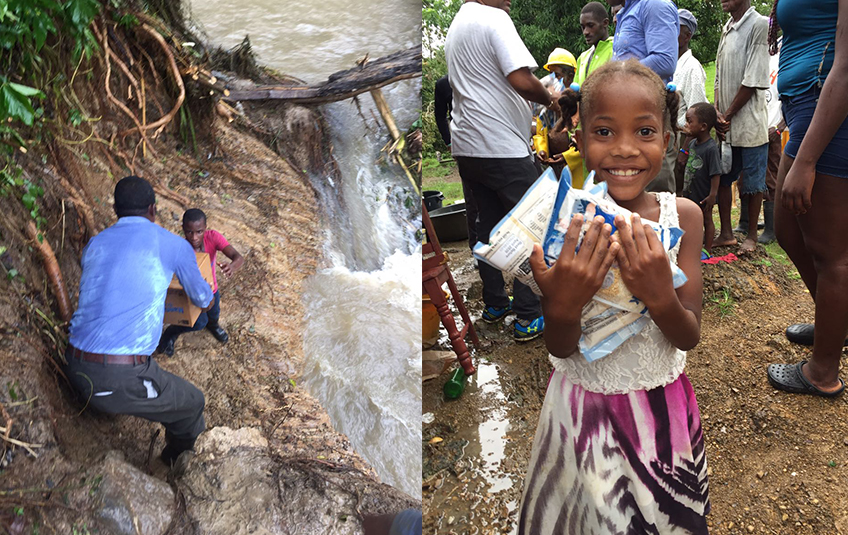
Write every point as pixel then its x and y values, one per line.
pixel 592 201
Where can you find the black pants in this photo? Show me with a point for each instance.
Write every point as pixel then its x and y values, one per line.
pixel 178 405
pixel 497 185
pixel 470 214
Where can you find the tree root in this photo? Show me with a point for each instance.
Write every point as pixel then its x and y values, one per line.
pixel 115 101
pixel 76 196
pixel 8 421
pixel 170 194
pixel 162 122
pixel 123 66
pixel 54 273
pixel 156 77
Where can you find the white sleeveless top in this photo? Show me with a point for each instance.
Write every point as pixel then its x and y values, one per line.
pixel 645 361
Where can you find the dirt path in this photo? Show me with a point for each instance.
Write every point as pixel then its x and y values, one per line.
pixel 778 463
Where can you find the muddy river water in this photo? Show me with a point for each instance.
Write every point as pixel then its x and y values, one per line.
pixel 362 332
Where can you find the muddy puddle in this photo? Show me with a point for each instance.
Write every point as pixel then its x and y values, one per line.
pixel 474 448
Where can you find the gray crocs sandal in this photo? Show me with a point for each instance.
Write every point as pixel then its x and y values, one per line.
pixel 788 377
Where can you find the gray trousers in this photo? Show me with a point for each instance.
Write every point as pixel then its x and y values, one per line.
pixel 178 404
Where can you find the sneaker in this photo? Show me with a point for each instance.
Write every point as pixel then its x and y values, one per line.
pixel 529 329
pixel 496 314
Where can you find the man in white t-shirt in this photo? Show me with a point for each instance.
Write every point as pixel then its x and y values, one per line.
pixel 490 71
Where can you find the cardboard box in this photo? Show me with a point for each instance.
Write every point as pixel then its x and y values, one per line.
pixel 179 310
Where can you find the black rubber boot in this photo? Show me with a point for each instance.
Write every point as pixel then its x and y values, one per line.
pixel 166 343
pixel 742 227
pixel 768 214
pixel 218 332
pixel 175 447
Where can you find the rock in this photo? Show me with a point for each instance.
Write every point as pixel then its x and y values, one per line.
pixel 475 291
pixel 229 485
pixel 234 486
pixel 130 502
pixel 750 528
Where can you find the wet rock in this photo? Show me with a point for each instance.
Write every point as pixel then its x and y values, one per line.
pixel 229 485
pixel 233 486
pixel 131 502
pixel 475 291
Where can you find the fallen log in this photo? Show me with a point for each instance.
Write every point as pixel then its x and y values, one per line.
pixel 342 85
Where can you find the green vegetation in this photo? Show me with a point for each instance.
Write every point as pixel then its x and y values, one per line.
pixel 777 254
pixel 710 85
pixel 451 190
pixel 723 302
pixel 32 68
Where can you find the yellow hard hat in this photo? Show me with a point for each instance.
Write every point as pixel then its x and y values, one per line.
pixel 561 56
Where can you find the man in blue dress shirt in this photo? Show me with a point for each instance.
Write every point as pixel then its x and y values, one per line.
pixel 647 30
pixel 126 270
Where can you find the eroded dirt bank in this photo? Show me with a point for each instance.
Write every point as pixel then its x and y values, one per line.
pixel 778 463
pixel 273 464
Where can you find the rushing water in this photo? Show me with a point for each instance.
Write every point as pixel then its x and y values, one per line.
pixel 363 314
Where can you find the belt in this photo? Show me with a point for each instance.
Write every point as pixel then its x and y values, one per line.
pixel 100 358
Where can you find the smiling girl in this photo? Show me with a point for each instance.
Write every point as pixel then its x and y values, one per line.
pixel 619 446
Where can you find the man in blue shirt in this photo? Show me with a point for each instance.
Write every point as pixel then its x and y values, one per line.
pixel 126 270
pixel 647 30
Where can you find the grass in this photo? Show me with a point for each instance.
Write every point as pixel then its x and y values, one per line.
pixel 776 253
pixel 710 69
pixel 434 175
pixel 723 302
pixel 432 168
pixel 451 190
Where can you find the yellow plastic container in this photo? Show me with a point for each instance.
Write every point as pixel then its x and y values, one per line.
pixel 431 322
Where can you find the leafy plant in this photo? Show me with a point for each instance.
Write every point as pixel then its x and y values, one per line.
pixel 12 180
pixel 75 117
pixel 723 301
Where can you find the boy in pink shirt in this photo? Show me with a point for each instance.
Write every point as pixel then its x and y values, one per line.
pixel 211 242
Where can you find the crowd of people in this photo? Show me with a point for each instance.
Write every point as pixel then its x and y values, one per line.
pixel 619 445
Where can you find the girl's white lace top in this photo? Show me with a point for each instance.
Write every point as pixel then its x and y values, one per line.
pixel 645 361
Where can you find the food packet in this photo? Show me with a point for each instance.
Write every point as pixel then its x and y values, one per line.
pixel 604 328
pixel 593 201
pixel 511 241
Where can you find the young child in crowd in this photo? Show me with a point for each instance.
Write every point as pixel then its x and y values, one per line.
pixel 619 446
pixel 211 242
pixel 703 168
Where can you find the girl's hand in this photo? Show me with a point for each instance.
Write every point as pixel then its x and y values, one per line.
pixel 644 266
pixel 798 188
pixel 575 277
